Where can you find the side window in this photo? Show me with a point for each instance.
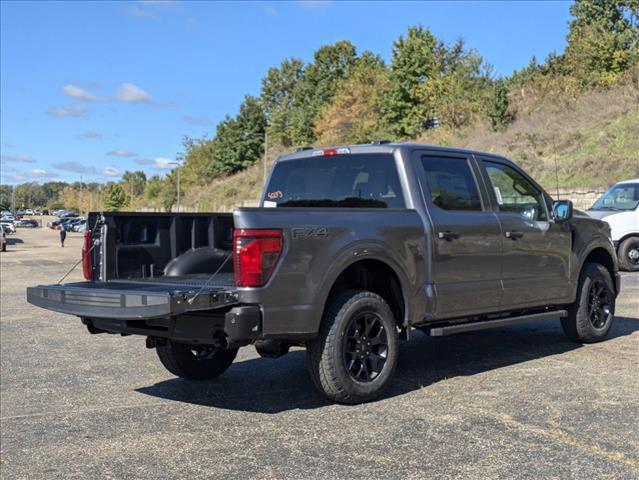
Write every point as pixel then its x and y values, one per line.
pixel 451 183
pixel 515 193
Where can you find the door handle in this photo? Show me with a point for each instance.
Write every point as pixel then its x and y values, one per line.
pixel 514 235
pixel 448 235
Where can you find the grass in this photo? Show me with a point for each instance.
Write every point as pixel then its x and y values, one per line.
pixel 594 140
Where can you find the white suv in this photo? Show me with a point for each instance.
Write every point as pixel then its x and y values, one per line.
pixel 619 208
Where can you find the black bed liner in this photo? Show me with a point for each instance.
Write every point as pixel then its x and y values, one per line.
pixel 137 298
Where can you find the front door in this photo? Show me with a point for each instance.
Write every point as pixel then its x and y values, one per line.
pixel 465 239
pixel 536 250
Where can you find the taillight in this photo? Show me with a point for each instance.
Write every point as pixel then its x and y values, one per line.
pixel 255 254
pixel 87 267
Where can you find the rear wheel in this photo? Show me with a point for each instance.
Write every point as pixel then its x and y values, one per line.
pixel 195 362
pixel 628 254
pixel 590 318
pixel 354 356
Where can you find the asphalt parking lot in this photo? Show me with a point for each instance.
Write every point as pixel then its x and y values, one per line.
pixel 516 402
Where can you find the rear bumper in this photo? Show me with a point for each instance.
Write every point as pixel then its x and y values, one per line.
pixel 239 325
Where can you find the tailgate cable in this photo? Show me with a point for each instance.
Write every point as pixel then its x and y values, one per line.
pixel 81 256
pixel 192 299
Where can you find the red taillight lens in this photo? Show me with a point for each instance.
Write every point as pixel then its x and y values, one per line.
pixel 87 267
pixel 255 254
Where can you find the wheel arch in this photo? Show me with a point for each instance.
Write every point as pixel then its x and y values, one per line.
pixel 377 276
pixel 603 257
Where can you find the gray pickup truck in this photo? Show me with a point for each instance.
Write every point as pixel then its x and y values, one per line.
pixel 351 249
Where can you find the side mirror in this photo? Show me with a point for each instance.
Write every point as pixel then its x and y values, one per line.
pixel 562 210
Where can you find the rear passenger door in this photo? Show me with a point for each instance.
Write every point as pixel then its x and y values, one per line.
pixel 536 250
pixel 466 238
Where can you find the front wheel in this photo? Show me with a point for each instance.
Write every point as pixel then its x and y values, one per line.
pixel 628 254
pixel 355 354
pixel 590 318
pixel 195 362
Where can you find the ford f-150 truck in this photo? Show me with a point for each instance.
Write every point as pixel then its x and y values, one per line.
pixel 351 249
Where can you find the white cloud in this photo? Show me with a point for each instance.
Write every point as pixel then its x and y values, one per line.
pixel 110 172
pixel 19 157
pixel 163 163
pixel 74 110
pixel 314 5
pixel 121 153
pixel 75 167
pixel 41 173
pixel 159 163
pixel 79 93
pixel 138 12
pixel 201 120
pixel 90 135
pixel 131 93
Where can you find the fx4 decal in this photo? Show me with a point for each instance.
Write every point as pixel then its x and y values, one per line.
pixel 309 232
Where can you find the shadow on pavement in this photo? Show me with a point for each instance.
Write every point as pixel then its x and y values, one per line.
pixel 272 386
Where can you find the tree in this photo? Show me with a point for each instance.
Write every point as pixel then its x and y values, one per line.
pixel 414 62
pixel 498 112
pixel 114 197
pixel 603 39
pixel 458 87
pixel 316 88
pixel 355 114
pixel 153 187
pixel 278 98
pixel 134 182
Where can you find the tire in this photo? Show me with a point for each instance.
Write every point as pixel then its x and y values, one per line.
pixel 628 254
pixel 344 370
pixel 589 321
pixel 195 362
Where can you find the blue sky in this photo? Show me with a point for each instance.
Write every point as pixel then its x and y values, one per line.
pixel 92 89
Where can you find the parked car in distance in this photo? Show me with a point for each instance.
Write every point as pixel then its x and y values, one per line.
pixel 27 223
pixel 619 207
pixel 37 213
pixel 29 212
pixel 8 227
pixel 55 224
pixel 353 248
pixel 8 218
pixel 77 226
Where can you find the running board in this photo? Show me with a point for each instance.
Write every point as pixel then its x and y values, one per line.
pixel 501 322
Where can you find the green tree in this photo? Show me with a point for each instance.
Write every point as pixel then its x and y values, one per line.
pixel 414 63
pixel 153 187
pixel 315 89
pixel 114 197
pixel 603 39
pixel 355 114
pixel 278 98
pixel 134 182
pixel 498 110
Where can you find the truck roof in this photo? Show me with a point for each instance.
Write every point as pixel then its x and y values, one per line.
pixel 378 147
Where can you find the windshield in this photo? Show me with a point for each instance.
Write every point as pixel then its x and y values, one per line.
pixel 620 197
pixel 346 181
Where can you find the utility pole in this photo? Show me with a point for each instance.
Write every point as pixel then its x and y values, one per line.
pixel 80 197
pixel 265 155
pixel 178 183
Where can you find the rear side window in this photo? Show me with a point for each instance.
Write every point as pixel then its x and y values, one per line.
pixel 451 183
pixel 346 181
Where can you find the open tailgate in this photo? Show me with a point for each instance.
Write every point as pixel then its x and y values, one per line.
pixel 136 298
